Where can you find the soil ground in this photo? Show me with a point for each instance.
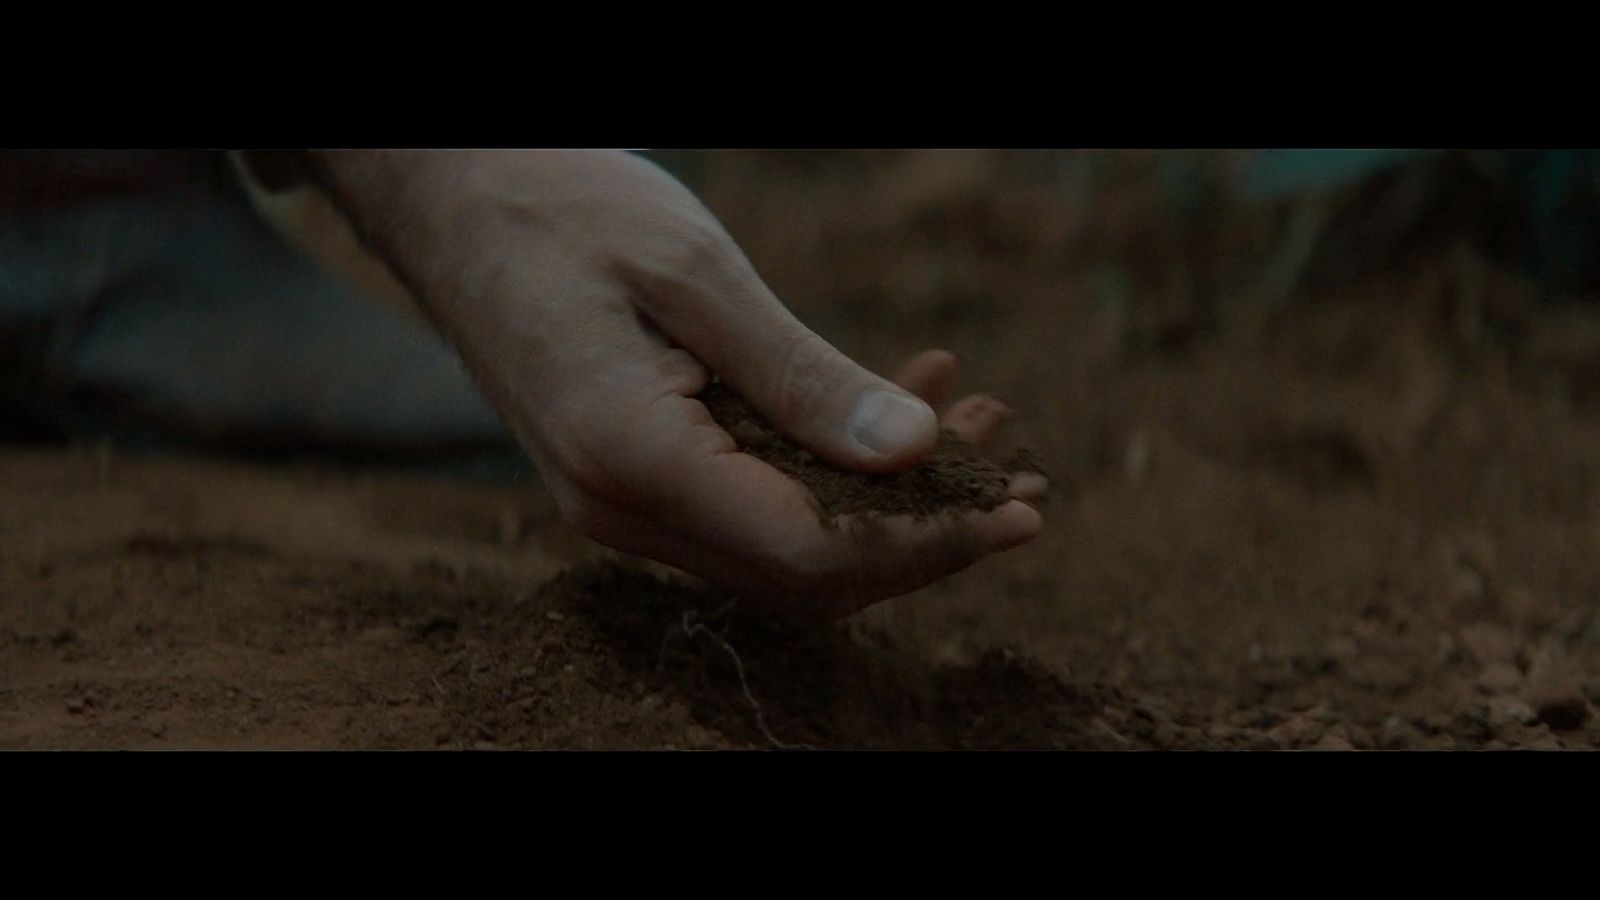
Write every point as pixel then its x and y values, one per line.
pixel 1360 515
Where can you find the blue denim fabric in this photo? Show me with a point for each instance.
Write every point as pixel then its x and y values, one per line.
pixel 188 304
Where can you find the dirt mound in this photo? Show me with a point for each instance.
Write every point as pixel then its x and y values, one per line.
pixel 162 604
pixel 611 656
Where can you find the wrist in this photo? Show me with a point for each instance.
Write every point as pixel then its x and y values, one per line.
pixel 405 208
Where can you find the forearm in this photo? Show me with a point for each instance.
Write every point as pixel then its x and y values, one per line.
pixel 509 252
pixel 399 203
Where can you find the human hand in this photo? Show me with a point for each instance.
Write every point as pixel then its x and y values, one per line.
pixel 592 296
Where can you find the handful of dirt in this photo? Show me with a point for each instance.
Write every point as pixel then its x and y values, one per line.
pixel 953 477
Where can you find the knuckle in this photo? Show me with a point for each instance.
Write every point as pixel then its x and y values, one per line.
pixel 699 253
pixel 996 407
pixel 803 383
pixel 685 260
pixel 682 372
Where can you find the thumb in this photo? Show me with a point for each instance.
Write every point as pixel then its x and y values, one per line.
pixel 829 404
pixel 815 394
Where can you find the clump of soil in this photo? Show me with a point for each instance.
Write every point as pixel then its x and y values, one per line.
pixel 953 477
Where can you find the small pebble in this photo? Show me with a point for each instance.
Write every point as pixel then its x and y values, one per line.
pixel 1333 742
pixel 1507 711
pixel 1560 704
pixel 1300 731
pixel 1398 734
pixel 1548 660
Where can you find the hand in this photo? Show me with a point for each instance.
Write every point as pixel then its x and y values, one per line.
pixel 592 295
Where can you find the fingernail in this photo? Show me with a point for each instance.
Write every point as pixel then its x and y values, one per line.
pixel 1013 525
pixel 886 423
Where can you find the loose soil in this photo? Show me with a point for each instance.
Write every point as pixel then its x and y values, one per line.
pixel 1362 516
pixel 953 477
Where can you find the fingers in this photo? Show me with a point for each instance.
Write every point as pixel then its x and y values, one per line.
pixel 930 375
pixel 716 306
pixel 977 418
pixel 1029 487
pixel 742 524
pixel 876 558
pixel 827 572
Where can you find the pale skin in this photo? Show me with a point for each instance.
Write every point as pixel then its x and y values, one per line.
pixel 593 296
